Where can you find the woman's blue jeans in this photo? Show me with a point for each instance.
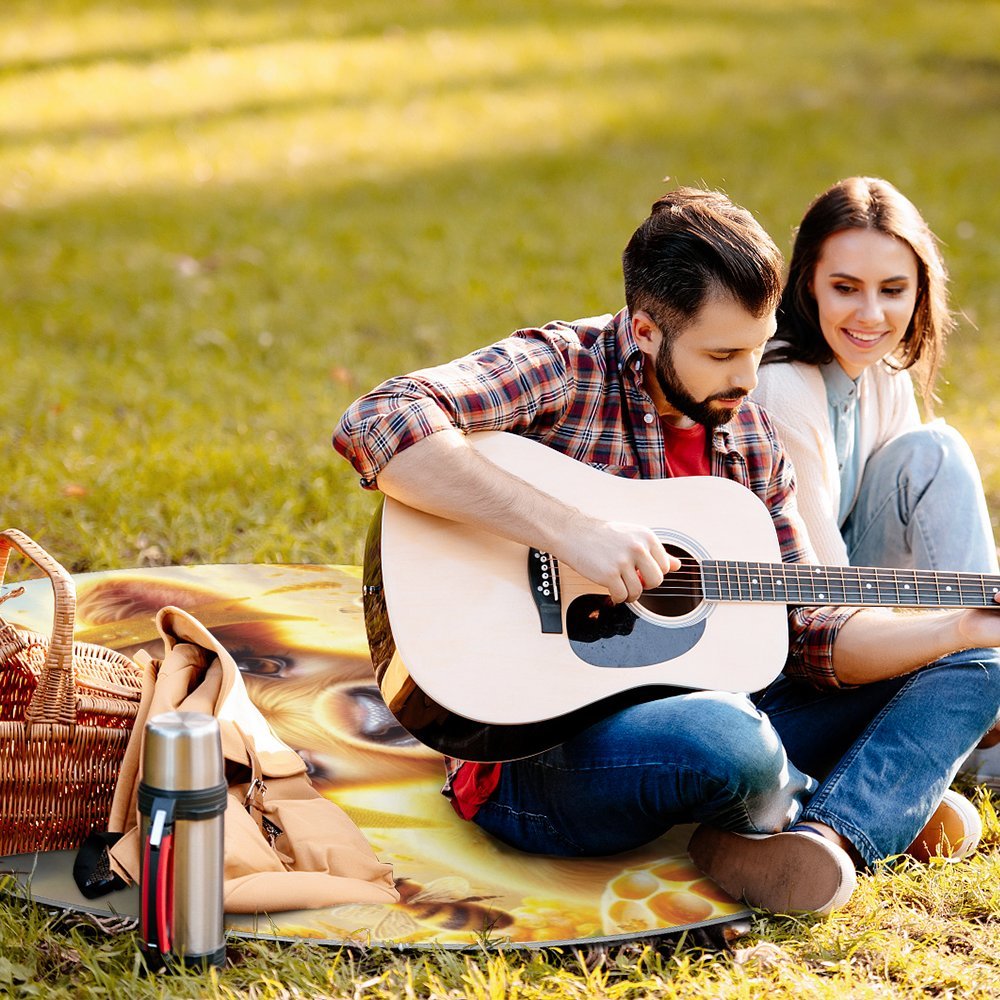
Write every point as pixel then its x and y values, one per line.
pixel 920 505
pixel 872 762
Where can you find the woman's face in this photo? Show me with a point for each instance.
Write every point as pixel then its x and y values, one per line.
pixel 865 285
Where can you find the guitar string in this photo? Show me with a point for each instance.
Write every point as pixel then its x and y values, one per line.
pixel 689 581
pixel 925 589
pixel 809 571
pixel 833 599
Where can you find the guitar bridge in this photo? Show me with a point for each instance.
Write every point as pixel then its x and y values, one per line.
pixel 543 578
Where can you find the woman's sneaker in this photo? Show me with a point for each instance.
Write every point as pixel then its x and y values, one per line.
pixel 953 832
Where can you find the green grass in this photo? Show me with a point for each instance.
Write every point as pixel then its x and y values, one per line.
pixel 221 221
pixel 909 932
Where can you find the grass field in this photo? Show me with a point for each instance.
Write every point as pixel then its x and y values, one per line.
pixel 221 221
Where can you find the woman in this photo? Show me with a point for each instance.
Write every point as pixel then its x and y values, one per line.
pixel 865 304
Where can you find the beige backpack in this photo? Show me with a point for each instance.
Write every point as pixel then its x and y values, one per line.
pixel 286 846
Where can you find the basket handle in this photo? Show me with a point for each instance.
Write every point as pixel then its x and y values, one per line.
pixel 54 700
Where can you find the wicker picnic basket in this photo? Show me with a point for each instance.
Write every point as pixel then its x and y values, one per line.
pixel 66 711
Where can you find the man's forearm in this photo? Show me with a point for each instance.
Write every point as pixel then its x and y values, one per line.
pixel 444 475
pixel 877 643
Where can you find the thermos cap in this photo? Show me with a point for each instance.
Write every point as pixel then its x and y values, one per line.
pixel 182 752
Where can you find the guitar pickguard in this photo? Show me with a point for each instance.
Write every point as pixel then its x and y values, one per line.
pixel 612 635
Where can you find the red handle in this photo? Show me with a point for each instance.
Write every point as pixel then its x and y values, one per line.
pixel 156 908
pixel 165 894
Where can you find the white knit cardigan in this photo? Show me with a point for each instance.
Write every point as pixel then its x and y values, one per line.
pixel 794 395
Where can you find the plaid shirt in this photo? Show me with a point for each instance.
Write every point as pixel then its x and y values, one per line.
pixel 577 387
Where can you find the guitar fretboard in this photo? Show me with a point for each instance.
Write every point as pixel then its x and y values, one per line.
pixel 800 583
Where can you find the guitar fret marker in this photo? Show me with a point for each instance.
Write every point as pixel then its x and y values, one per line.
pixel 752 581
pixel 739 581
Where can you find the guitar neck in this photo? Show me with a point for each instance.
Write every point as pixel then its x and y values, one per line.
pixel 801 583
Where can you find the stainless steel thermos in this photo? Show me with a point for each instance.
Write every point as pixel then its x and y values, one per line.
pixel 182 800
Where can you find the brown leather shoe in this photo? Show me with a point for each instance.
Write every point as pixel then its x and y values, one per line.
pixel 953 832
pixel 788 872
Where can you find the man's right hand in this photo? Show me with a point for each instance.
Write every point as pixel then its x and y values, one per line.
pixel 624 558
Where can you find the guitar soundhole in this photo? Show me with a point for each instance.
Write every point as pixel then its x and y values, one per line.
pixel 680 593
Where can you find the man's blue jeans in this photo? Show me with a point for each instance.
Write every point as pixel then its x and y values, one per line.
pixel 872 762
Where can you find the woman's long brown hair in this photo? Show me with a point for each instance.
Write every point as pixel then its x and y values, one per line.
pixel 866 203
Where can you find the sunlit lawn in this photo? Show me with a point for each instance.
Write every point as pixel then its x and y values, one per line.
pixel 222 221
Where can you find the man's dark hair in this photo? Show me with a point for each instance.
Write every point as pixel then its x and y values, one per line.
pixel 694 244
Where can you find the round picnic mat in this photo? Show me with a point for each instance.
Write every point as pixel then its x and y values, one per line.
pixel 297 634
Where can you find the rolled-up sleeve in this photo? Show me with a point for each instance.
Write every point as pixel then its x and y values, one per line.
pixel 812 632
pixel 382 423
pixel 515 384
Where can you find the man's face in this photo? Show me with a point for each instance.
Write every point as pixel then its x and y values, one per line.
pixel 704 374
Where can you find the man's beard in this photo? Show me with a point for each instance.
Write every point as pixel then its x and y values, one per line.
pixel 680 399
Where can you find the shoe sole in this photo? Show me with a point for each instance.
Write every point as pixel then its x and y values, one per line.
pixel 782 872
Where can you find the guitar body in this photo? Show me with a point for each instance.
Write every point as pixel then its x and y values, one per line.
pixel 458 637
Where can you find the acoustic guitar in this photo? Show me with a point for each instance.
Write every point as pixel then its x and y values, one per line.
pixel 489 650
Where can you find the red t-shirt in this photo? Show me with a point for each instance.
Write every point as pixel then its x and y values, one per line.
pixel 686 450
pixel 686 455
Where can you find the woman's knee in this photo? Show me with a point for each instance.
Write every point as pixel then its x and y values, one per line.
pixel 927 452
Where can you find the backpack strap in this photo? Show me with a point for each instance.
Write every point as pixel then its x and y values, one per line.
pixel 253 801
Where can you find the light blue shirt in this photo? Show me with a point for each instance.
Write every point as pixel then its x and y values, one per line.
pixel 842 402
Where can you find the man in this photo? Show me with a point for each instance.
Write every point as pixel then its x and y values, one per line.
pixel 851 750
